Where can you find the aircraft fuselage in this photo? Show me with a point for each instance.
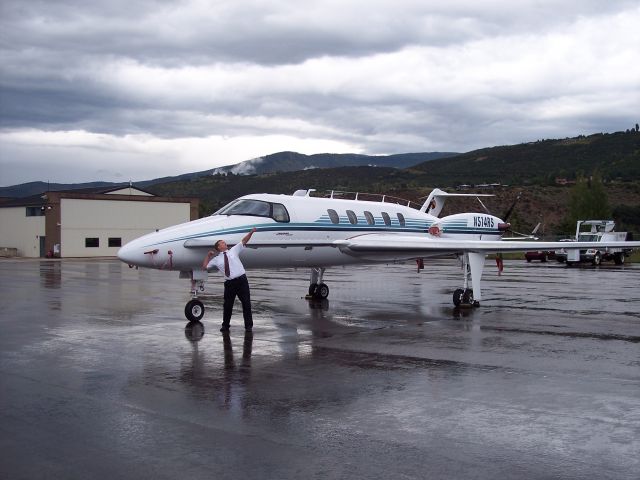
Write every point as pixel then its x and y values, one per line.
pixel 297 231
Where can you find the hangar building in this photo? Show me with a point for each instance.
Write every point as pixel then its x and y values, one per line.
pixel 93 222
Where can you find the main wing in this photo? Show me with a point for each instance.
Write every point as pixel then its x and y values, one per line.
pixel 392 245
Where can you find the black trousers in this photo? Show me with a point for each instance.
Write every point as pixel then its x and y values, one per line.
pixel 237 287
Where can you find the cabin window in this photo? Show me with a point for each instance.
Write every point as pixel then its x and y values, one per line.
pixel 115 241
pixel 369 217
pixel 280 213
pixel 353 218
pixel 401 219
pixel 91 242
pixel 333 215
pixel 386 218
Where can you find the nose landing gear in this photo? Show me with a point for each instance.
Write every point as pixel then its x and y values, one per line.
pixel 194 310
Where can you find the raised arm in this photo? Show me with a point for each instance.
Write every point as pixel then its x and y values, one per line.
pixel 247 237
pixel 207 259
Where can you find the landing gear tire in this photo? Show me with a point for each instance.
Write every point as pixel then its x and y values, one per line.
pixel 321 291
pixel 457 297
pixel 597 259
pixel 618 259
pixel 464 297
pixel 194 310
pixel 467 297
pixel 312 290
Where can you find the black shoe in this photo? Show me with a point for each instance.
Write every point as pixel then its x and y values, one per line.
pixel 224 329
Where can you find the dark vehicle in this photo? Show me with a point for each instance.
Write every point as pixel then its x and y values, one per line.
pixel 542 255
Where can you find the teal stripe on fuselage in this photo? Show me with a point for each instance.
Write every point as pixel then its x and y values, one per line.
pixel 293 227
pixel 315 227
pixel 324 223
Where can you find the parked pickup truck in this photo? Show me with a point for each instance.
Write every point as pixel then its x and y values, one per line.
pixel 600 231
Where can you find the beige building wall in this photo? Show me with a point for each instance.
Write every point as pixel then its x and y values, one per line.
pixel 21 232
pixel 115 219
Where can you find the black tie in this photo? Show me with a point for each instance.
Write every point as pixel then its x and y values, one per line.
pixel 227 272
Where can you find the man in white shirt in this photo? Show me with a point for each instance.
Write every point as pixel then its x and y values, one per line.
pixel 228 263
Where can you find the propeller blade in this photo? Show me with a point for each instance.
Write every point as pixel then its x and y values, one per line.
pixel 533 232
pixel 513 205
pixel 484 206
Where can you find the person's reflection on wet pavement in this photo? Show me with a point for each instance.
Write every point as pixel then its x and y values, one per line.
pixel 236 378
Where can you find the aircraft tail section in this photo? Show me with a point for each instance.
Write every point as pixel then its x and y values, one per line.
pixel 436 199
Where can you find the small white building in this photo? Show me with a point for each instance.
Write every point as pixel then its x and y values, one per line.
pixel 92 222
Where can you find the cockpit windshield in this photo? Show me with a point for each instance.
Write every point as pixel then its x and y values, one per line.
pixel 255 208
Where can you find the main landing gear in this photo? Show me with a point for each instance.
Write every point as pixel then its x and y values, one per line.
pixel 317 289
pixel 463 297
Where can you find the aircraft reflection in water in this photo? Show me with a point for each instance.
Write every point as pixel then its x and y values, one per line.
pixel 302 230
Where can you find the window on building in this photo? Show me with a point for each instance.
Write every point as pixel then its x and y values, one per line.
pixel 401 219
pixel 34 211
pixel 333 215
pixel 369 217
pixel 353 218
pixel 386 218
pixel 115 242
pixel 91 242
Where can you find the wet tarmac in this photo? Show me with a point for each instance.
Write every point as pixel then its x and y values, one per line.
pixel 101 376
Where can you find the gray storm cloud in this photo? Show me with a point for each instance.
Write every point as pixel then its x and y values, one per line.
pixel 167 87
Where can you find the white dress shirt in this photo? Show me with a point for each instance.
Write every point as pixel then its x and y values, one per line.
pixel 236 269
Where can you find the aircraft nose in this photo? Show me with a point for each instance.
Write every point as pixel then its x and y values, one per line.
pixel 129 254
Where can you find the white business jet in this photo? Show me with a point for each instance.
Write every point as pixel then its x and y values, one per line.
pixel 302 230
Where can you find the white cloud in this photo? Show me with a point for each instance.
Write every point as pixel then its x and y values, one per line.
pixel 81 156
pixel 177 87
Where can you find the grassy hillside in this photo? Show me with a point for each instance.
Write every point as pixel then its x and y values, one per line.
pixel 539 203
pixel 615 155
pixel 217 190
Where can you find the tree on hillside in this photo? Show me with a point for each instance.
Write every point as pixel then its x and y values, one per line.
pixel 588 201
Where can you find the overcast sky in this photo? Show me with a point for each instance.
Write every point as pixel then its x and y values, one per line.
pixel 122 90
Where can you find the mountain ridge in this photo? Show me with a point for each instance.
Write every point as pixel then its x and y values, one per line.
pixel 273 163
